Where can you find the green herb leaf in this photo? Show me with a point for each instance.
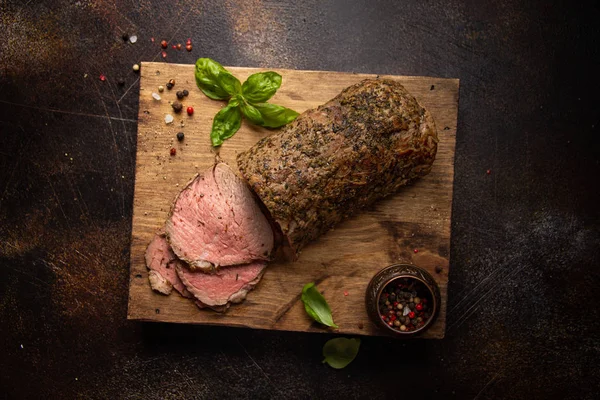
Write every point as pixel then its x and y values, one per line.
pixel 340 352
pixel 215 81
pixel 225 124
pixel 275 116
pixel 261 86
pixel 230 83
pixel 251 113
pixel 316 306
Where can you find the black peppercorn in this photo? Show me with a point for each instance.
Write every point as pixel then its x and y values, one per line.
pixel 180 136
pixel 411 306
pixel 185 92
pixel 125 36
pixel 120 82
pixel 179 94
pixel 177 106
pixel 169 85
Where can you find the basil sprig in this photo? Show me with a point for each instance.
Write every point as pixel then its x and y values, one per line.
pixel 248 99
pixel 316 306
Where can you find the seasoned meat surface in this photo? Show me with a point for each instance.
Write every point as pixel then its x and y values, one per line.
pixel 359 147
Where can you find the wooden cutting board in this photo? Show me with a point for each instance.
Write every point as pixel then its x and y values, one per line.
pixel 412 226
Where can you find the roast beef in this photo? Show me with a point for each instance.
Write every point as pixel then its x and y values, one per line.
pixel 361 146
pixel 161 262
pixel 226 285
pixel 216 221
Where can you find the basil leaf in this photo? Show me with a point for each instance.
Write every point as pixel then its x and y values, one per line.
pixel 225 124
pixel 340 352
pixel 214 80
pixel 251 113
pixel 230 83
pixel 316 306
pixel 274 115
pixel 261 86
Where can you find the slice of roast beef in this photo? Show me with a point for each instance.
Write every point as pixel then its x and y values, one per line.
pixel 161 262
pixel 339 158
pixel 226 285
pixel 216 221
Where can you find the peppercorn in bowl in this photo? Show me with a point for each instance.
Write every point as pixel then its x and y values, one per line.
pixel 403 299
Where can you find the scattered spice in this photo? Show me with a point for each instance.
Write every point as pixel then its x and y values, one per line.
pixel 168 119
pixel 125 36
pixel 178 46
pixel 438 269
pixel 180 136
pixel 152 39
pixel 361 325
pixel 179 94
pixel 120 82
pixel 412 298
pixel 133 39
pixel 163 44
pixel 161 88
pixel 489 171
pixel 185 92
pixel 190 110
pixel 164 54
pixel 177 106
pixel 416 251
pixel 102 77
pixel 156 96
pixel 174 47
pixel 136 67
pixel 188 47
pixel 170 84
pixel 432 87
pixel 173 151
pixel 345 293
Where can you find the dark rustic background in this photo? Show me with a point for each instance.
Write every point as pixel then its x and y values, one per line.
pixel 523 317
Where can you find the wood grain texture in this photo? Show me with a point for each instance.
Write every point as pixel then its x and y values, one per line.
pixel 343 260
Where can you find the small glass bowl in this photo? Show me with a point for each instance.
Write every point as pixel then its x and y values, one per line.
pixel 414 291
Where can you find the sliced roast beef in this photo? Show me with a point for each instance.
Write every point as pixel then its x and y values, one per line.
pixel 216 221
pixel 332 161
pixel 161 262
pixel 226 285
